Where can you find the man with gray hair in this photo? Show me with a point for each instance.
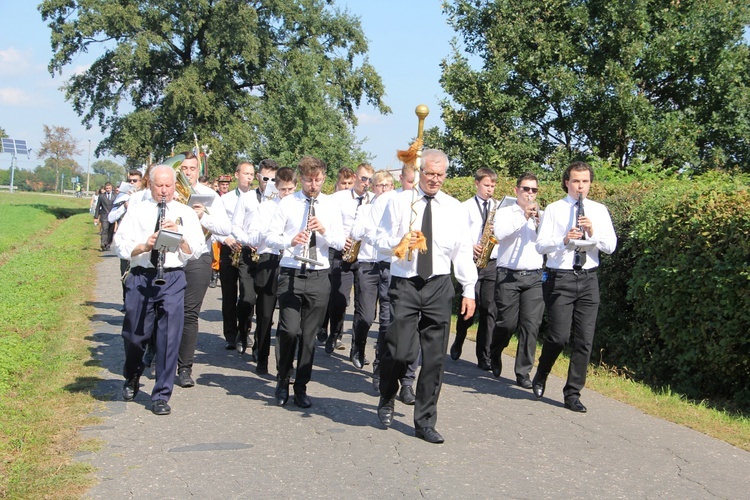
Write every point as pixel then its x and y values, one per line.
pixel 153 308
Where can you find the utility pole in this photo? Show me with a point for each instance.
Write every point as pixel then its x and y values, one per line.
pixel 88 170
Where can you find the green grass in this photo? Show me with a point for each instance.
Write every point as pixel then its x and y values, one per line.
pixel 701 416
pixel 44 287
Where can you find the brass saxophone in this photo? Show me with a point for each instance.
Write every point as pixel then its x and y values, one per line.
pixel 487 240
pixel 236 256
pixel 350 255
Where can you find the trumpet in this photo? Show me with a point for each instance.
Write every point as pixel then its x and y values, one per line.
pixel 162 254
pixel 304 256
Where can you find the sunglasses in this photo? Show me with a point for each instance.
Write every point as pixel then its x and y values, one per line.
pixel 528 189
pixel 365 179
pixel 133 180
pixel 266 179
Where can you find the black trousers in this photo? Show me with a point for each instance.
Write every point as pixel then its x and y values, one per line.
pixel 303 298
pixel 520 306
pixel 384 316
pixel 153 310
pixel 107 230
pixel 484 291
pixel 266 287
pixel 237 293
pixel 198 276
pixel 420 320
pixel 342 280
pixel 367 279
pixel 571 299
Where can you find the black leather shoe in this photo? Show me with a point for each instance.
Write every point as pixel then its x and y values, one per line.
pixel 496 366
pixel 282 392
pixel 429 434
pixel 538 385
pixel 385 411
pixel 455 351
pixel 161 407
pixel 241 345
pixel 230 346
pixel 302 400
pixel 130 388
pixel 483 364
pixel 330 345
pixel 406 395
pixel 525 382
pixel 357 357
pixel 321 335
pixel 574 404
pixel 340 345
pixel 261 369
pixel 184 378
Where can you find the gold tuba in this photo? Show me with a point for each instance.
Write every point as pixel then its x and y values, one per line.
pixel 488 240
pixel 182 188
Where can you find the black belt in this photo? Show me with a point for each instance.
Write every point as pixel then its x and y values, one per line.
pixel 150 270
pixel 521 272
pixel 555 272
pixel 269 256
pixel 293 271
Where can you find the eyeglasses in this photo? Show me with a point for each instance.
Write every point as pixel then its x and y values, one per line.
pixel 132 181
pixel 383 186
pixel 266 179
pixel 527 189
pixel 433 175
pixel 365 179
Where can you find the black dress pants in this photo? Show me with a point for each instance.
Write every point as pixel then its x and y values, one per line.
pixel 342 280
pixel 420 320
pixel 571 299
pixel 266 287
pixel 198 276
pixel 484 290
pixel 303 298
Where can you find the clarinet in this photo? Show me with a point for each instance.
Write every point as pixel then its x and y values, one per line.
pixel 579 257
pixel 162 254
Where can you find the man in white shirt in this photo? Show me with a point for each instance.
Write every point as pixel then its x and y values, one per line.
pixel 572 235
pixel 422 291
pixel 198 270
pixel 305 225
pixel 266 174
pixel 237 290
pixel 343 273
pixel 153 308
pixel 250 225
pixel 518 292
pixel 478 210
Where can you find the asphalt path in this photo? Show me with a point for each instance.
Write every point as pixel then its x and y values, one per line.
pixel 226 438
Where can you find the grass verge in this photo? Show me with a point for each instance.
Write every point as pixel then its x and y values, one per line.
pixel 662 403
pixel 45 283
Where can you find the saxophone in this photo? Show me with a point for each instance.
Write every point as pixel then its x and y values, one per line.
pixel 488 240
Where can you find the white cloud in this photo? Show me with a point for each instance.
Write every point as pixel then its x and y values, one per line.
pixel 369 119
pixel 15 97
pixel 14 62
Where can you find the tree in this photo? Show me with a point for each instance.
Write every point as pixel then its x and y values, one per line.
pixel 58 148
pixel 115 173
pixel 216 69
pixel 646 80
pixel 3 134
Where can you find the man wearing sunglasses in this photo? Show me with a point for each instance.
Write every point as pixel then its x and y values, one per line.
pixel 343 274
pixel 571 288
pixel 518 285
pixel 266 173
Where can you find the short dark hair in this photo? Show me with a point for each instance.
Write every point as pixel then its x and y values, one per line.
pixel 309 165
pixel 135 172
pixel 268 164
pixel 578 166
pixel 485 172
pixel 526 176
pixel 286 174
pixel 345 173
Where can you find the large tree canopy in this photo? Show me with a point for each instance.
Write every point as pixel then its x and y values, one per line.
pixel 220 69
pixel 662 81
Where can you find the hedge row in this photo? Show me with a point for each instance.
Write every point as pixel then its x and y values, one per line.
pixel 675 296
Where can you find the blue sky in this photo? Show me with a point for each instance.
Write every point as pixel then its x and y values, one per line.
pixel 407 41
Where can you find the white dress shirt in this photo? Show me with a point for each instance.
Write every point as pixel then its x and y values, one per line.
pixel 557 220
pixel 230 201
pixel 291 217
pixel 366 227
pixel 516 236
pixel 450 237
pixel 476 222
pixel 364 232
pixel 216 219
pixel 252 228
pixel 139 224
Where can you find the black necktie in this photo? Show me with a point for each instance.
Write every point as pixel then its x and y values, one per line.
pixel 359 201
pixel 154 251
pixel 579 257
pixel 424 261
pixel 312 252
pixel 484 213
